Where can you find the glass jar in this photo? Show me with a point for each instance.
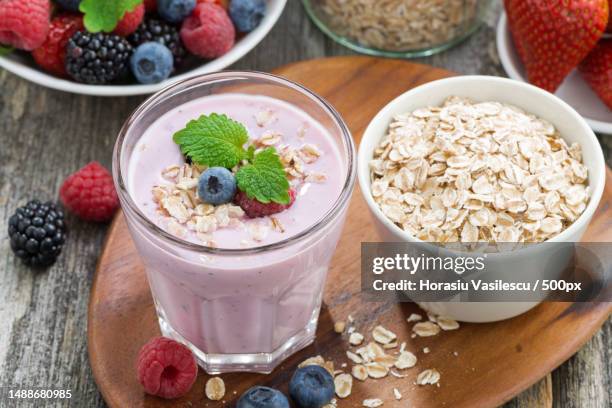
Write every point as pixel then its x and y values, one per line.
pixel 397 28
pixel 237 309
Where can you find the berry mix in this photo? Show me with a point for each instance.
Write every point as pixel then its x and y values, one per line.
pixel 167 369
pixel 105 41
pixel 226 179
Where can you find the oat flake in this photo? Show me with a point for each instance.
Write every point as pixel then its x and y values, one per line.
pixel 215 389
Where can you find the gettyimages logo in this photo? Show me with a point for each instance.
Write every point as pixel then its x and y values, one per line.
pixel 422 272
pixel 410 264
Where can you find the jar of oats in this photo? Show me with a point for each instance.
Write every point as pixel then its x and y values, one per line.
pixel 397 28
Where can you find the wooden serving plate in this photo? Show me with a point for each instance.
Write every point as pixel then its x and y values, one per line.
pixel 494 362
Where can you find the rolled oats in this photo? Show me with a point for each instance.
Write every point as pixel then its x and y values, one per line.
pixel 265 117
pixel 398 25
pixel 405 360
pixel 356 338
pixel 359 372
pixel 372 403
pixel 354 357
pixel 478 172
pixel 429 376
pixel 343 384
pixel 426 329
pixel 382 335
pixel 376 370
pixel 339 327
pixel 446 323
pixel 215 389
pixel 414 317
pixel 397 394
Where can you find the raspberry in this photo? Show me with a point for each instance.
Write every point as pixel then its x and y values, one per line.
pixel 130 21
pixel 166 368
pixel 51 55
pixel 254 208
pixel 208 32
pixel 90 193
pixel 24 24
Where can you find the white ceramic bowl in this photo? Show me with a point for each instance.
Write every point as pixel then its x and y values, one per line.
pixel 25 67
pixel 574 89
pixel 572 127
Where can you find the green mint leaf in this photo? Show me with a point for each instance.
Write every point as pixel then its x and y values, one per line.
pixel 5 49
pixel 213 140
pixel 265 178
pixel 104 15
pixel 251 153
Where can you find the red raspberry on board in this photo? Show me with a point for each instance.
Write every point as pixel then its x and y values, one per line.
pixel 208 32
pixel 51 55
pixel 166 368
pixel 254 208
pixel 90 194
pixel 24 24
pixel 597 71
pixel 130 21
pixel 150 5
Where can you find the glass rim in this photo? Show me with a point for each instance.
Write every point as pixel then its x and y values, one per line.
pixel 155 99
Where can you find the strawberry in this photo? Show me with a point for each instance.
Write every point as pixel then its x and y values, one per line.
pixel 553 36
pixel 609 28
pixel 597 71
pixel 130 21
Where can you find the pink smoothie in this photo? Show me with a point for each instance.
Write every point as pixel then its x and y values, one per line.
pixel 246 310
pixel 156 151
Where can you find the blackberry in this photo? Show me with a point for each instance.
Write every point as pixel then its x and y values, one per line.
pixel 37 233
pixel 153 29
pixel 97 58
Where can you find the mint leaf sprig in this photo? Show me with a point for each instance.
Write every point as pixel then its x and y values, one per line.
pixel 104 15
pixel 214 141
pixel 218 141
pixel 264 178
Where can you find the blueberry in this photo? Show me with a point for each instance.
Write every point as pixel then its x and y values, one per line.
pixel 216 186
pixel 311 387
pixel 247 14
pixel 262 397
pixel 70 5
pixel 175 11
pixel 151 63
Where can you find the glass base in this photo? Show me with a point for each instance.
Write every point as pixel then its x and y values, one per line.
pixel 263 363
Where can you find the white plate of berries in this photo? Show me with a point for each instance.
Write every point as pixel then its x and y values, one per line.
pixel 564 48
pixel 128 47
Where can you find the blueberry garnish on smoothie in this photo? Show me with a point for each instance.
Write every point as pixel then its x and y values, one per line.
pixel 218 142
pixel 217 186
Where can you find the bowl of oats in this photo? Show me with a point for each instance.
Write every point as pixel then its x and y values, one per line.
pixel 397 28
pixel 478 159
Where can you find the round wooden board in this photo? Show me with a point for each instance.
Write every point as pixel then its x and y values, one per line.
pixel 494 363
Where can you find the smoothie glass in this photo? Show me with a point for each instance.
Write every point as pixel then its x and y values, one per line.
pixel 237 309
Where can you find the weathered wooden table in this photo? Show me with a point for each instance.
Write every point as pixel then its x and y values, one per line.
pixel 45 135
